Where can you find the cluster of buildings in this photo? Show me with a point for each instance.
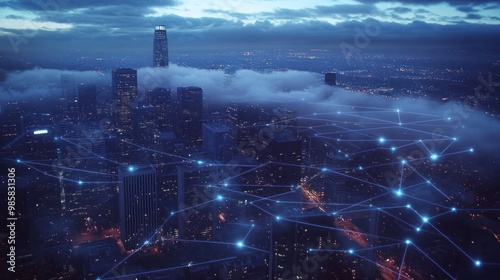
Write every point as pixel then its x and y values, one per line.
pixel 169 180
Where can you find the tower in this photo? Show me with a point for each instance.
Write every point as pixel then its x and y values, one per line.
pixel 124 91
pixel 87 101
pixel 160 47
pixel 218 141
pixel 138 205
pixel 161 99
pixel 331 79
pixel 190 101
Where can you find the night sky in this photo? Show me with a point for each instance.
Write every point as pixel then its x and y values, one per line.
pixel 101 26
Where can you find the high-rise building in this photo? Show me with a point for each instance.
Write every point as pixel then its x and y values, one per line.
pixel 138 205
pixel 331 79
pixel 87 101
pixel 160 47
pixel 161 99
pixel 218 141
pixel 68 86
pixel 190 100
pixel 197 222
pixel 124 91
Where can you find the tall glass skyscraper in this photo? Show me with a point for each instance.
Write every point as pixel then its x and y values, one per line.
pixel 160 47
pixel 191 114
pixel 138 205
pixel 124 91
pixel 87 101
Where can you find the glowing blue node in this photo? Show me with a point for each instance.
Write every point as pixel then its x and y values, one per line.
pixel 253 225
pixel 80 183
pixel 18 160
pixel 146 242
pixel 131 168
pixel 408 241
pixel 477 263
pixel 381 139
pixel 434 156
pixel 240 244
pixel 454 139
pixel 200 162
pixel 56 138
pixel 400 124
pixel 397 110
pixel 393 149
pixel 171 213
pixel 449 118
pixel 408 206
pixel 453 209
pixel 471 150
pixel 219 197
pixel 351 251
pixel 403 161
pixel 371 205
pixel 399 193
pixel 277 201
pixel 417 229
pixel 226 184
pixel 425 219
pixel 278 218
pixel 324 169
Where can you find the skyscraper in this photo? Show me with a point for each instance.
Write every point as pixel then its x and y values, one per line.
pixel 68 86
pixel 124 91
pixel 160 47
pixel 331 79
pixel 161 99
pixel 138 205
pixel 218 141
pixel 87 101
pixel 191 114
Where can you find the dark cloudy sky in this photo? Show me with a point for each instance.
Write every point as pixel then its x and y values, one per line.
pixel 99 25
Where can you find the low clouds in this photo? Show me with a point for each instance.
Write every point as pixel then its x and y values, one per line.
pixel 303 90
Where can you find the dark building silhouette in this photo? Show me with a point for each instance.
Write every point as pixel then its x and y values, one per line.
pixel 87 101
pixel 160 47
pixel 68 86
pixel 218 141
pixel 331 79
pixel 138 205
pixel 161 99
pixel 190 102
pixel 124 82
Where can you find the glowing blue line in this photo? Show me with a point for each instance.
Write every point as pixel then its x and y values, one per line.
pixel 357 250
pixel 87 150
pixel 451 143
pixel 453 243
pixel 447 197
pixel 402 262
pixel 423 253
pixel 13 141
pixel 247 234
pixel 166 269
pixel 382 266
pixel 72 169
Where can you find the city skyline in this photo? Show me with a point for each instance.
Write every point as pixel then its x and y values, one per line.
pixel 349 139
pixel 318 24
